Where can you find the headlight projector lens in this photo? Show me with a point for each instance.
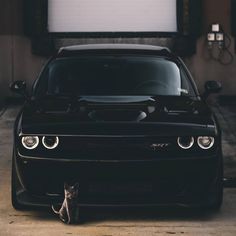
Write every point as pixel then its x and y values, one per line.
pixel 50 142
pixel 30 142
pixel 205 142
pixel 185 142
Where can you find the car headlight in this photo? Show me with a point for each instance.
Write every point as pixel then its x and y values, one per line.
pixel 205 142
pixel 50 142
pixel 30 142
pixel 185 142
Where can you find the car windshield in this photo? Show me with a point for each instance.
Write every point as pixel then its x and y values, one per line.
pixel 116 75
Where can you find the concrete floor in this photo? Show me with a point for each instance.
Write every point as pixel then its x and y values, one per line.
pixel 107 222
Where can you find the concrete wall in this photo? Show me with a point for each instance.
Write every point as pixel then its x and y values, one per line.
pixel 201 66
pixel 17 61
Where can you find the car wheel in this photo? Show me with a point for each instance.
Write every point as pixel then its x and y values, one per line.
pixel 216 195
pixel 14 182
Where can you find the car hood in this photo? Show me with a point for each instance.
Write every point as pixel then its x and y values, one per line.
pixel 117 115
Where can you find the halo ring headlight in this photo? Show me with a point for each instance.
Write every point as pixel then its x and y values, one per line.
pixel 205 142
pixel 50 142
pixel 30 142
pixel 185 142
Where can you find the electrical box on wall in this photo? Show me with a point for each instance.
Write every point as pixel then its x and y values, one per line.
pixel 177 19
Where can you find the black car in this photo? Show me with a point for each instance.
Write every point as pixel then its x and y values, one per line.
pixel 124 121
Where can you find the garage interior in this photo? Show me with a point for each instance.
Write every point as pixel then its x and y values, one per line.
pixel 25 48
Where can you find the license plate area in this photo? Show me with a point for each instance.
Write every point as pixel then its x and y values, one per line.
pixel 120 189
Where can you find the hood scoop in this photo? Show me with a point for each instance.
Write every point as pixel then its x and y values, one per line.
pixel 117 115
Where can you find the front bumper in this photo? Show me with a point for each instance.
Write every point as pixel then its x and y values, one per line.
pixel 185 181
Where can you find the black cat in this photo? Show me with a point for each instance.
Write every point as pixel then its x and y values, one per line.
pixel 69 211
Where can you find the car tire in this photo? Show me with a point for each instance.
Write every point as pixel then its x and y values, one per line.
pixel 217 191
pixel 15 203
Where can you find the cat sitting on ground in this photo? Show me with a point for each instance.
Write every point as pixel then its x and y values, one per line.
pixel 69 211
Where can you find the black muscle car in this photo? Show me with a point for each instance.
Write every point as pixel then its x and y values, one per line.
pixel 124 121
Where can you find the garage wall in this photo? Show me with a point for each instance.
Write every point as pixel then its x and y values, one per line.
pixel 201 66
pixel 17 61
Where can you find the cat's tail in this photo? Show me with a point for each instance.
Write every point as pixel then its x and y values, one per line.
pixel 56 212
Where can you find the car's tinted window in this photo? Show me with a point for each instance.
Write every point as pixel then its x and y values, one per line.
pixel 110 75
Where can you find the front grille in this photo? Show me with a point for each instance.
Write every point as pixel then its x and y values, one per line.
pixel 112 148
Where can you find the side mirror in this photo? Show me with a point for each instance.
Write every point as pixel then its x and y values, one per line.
pixel 19 87
pixel 212 87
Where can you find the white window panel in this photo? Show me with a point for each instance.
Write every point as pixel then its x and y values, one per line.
pixel 112 16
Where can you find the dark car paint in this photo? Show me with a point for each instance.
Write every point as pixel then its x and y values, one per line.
pixel 174 176
pixel 51 116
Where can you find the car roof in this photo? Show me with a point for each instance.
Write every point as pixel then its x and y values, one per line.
pixel 123 48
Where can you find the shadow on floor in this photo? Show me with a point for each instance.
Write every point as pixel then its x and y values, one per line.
pixel 147 214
